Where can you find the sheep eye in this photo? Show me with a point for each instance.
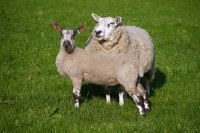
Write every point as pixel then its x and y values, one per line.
pixel 73 35
pixel 108 25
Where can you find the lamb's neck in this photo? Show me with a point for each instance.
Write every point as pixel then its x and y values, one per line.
pixel 64 57
pixel 72 53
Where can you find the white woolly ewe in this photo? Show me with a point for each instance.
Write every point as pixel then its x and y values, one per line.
pixel 110 36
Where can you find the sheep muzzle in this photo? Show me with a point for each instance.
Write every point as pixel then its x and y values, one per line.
pixel 68 47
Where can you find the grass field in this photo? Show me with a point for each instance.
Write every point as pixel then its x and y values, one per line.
pixel 35 98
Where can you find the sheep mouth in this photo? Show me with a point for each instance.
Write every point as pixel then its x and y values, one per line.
pixel 99 38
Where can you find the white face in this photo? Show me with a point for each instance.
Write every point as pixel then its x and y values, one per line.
pixel 68 40
pixel 105 26
pixel 68 35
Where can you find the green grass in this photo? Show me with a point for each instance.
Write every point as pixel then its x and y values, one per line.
pixel 35 98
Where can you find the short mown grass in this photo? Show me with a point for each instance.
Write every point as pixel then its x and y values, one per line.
pixel 35 98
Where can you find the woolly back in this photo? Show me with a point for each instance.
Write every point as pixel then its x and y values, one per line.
pixel 126 40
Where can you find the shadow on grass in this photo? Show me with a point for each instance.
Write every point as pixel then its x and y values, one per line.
pixel 88 91
pixel 91 90
pixel 157 83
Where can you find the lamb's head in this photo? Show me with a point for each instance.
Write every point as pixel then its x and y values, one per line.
pixel 105 26
pixel 68 36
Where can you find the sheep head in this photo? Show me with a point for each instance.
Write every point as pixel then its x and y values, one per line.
pixel 105 26
pixel 68 36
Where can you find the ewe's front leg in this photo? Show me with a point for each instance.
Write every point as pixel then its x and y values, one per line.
pixel 76 91
pixel 107 91
pixel 122 95
pixel 121 92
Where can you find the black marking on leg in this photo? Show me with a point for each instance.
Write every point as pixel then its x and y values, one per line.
pixel 146 102
pixel 141 104
pixel 76 98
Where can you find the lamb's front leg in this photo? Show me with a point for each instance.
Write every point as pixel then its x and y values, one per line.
pixel 76 95
pixel 76 91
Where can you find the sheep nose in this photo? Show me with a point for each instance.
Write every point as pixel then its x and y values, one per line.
pixel 97 32
pixel 66 44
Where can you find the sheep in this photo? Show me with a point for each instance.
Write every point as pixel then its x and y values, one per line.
pixel 80 65
pixel 111 36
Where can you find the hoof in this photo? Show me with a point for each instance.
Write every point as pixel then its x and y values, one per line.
pixel 108 102
pixel 76 105
pixel 142 113
pixel 147 109
pixel 121 104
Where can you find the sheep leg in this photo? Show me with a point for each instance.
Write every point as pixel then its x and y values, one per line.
pixel 76 95
pixel 76 91
pixel 147 84
pixel 148 77
pixel 144 94
pixel 137 98
pixel 107 91
pixel 121 95
pixel 146 104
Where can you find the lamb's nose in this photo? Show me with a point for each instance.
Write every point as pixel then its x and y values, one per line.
pixel 66 44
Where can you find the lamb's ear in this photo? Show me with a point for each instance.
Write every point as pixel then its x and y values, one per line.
pixel 80 29
pixel 57 26
pixel 118 20
pixel 96 17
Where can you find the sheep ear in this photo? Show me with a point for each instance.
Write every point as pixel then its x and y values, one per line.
pixel 96 17
pixel 118 20
pixel 57 26
pixel 80 29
